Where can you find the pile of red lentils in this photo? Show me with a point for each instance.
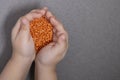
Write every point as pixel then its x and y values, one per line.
pixel 42 32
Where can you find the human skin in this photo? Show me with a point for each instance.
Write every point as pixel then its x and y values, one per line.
pixel 24 53
pixel 49 56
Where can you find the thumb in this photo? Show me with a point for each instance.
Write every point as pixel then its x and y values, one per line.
pixel 61 39
pixel 24 27
pixel 62 42
pixel 25 24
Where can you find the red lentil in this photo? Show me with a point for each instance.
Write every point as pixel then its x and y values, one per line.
pixel 41 31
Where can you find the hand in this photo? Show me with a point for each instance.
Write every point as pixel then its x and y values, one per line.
pixel 23 50
pixel 55 51
pixel 22 42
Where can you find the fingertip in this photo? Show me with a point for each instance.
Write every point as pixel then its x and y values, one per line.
pixel 24 20
pixel 44 11
pixel 45 8
pixel 24 24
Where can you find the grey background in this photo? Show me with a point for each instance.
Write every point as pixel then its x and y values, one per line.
pixel 94 36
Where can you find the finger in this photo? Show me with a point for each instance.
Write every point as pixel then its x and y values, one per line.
pixel 41 11
pixel 61 42
pixel 16 29
pixel 54 30
pixel 45 9
pixel 25 31
pixel 49 15
pixel 31 16
pixel 60 29
pixel 57 25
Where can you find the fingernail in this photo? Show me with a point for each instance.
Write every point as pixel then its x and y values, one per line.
pixel 23 24
pixel 46 8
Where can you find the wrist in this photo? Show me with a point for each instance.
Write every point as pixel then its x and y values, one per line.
pixel 45 67
pixel 45 72
pixel 19 58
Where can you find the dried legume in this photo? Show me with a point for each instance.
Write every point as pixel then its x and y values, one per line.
pixel 41 31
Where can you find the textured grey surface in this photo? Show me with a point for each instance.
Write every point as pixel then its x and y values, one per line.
pixel 94 35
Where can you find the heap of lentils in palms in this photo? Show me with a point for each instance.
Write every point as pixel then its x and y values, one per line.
pixel 41 31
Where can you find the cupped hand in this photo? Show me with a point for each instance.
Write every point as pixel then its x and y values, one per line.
pixel 22 41
pixel 54 52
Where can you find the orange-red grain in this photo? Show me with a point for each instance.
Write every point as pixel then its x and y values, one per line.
pixel 42 32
